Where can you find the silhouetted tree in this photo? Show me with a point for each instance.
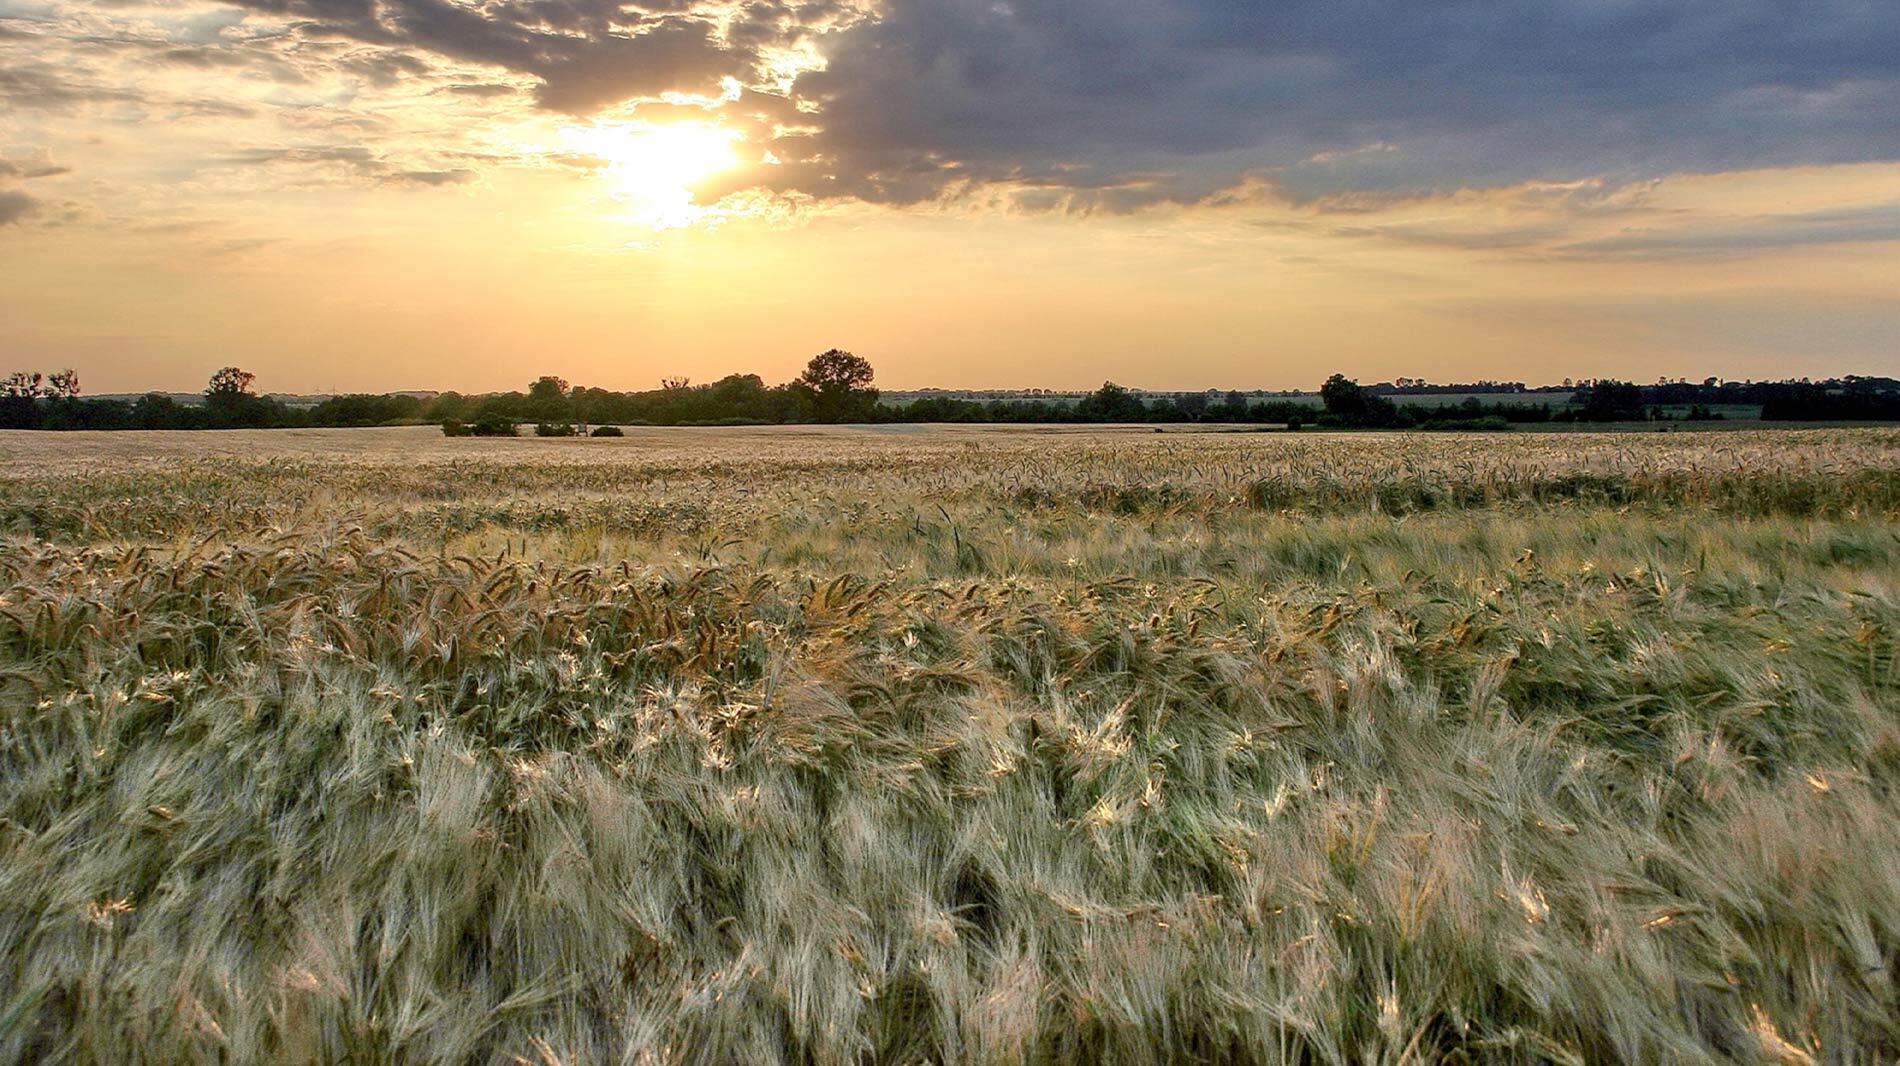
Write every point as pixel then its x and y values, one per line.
pixel 228 396
pixel 365 410
pixel 230 404
pixel 548 399
pixel 1610 401
pixel 840 386
pixel 230 381
pixel 445 406
pixel 21 384
pixel 1112 403
pixel 20 401
pixel 1348 404
pixel 1343 397
pixel 155 410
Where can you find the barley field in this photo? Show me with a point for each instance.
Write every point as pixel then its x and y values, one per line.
pixel 950 745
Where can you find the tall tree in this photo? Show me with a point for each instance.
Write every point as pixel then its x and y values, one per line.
pixel 1611 401
pixel 230 403
pixel 230 382
pixel 21 385
pixel 547 388
pixel 1112 403
pixel 1349 404
pixel 548 399
pixel 20 401
pixel 1343 397
pixel 840 384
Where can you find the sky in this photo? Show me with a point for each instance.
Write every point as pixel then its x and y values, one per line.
pixel 368 195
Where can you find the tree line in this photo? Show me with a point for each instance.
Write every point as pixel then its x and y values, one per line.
pixel 837 386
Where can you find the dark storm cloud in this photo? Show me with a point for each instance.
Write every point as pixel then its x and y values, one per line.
pixel 1449 94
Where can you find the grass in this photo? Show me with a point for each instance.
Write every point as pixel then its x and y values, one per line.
pixel 950 746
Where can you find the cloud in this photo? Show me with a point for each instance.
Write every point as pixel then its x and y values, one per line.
pixel 480 89
pixel 1331 95
pixel 1468 238
pixel 40 165
pixel 15 205
pixel 1108 105
pixel 587 54
pixel 237 246
pixel 353 163
pixel 1867 223
pixel 433 177
pixel 38 86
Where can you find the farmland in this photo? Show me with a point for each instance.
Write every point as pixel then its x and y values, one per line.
pixel 950 745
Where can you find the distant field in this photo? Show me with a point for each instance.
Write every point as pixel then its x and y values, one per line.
pixel 1556 401
pixel 1743 411
pixel 945 744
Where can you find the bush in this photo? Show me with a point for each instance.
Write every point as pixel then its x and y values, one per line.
pixel 608 431
pixel 554 429
pixel 492 426
pixel 452 427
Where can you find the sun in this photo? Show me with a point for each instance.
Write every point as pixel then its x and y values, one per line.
pixel 655 169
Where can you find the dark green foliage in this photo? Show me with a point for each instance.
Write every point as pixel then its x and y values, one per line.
pixel 1349 405
pixel 365 410
pixel 836 388
pixel 1610 401
pixel 839 386
pixel 488 425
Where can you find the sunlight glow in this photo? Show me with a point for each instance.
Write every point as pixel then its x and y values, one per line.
pixel 654 169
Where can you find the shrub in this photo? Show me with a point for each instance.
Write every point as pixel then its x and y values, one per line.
pixel 608 431
pixel 554 429
pixel 492 426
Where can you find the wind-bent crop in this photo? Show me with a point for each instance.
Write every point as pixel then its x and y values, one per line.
pixel 968 748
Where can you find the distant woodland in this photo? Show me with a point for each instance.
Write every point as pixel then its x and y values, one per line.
pixel 837 387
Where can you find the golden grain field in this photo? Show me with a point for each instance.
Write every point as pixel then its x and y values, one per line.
pixel 824 745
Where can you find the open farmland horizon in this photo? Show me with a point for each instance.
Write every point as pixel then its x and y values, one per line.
pixel 817 744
